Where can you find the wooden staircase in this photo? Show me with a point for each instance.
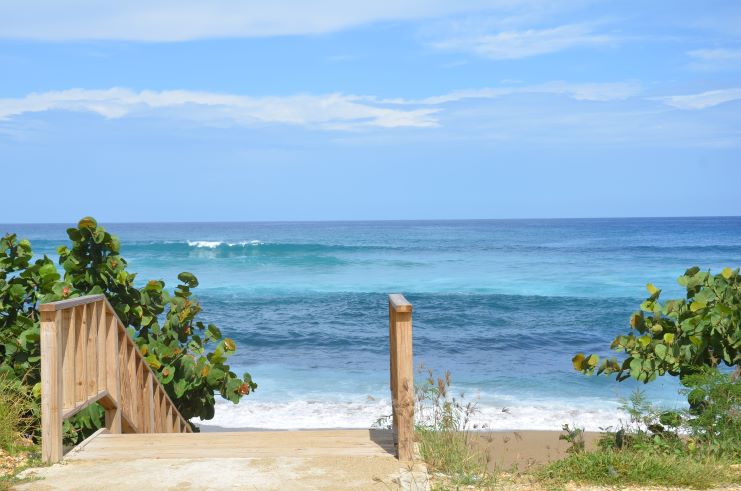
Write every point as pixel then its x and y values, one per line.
pixel 88 357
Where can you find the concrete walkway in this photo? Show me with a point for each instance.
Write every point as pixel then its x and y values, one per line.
pixel 321 460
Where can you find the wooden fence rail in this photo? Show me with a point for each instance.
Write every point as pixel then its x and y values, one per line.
pixel 402 375
pixel 87 357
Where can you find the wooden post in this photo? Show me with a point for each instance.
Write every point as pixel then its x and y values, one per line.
pixel 51 386
pixel 402 374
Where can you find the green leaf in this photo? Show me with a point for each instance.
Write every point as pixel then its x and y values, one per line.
pixel 727 273
pixel 214 377
pixel 153 361
pixel 87 223
pixel 669 338
pixel 697 305
pixel 652 289
pixel 660 351
pixel 189 279
pixel 644 340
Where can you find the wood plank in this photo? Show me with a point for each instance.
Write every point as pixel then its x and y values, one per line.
pixel 112 376
pixel 393 375
pixel 151 404
pixel 405 385
pixel 102 346
pixel 375 443
pixel 92 349
pixel 80 354
pixel 51 386
pixel 399 303
pixel 70 303
pixel 168 417
pixel 89 402
pixel 68 361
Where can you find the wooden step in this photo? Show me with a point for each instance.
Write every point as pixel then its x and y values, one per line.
pixel 247 444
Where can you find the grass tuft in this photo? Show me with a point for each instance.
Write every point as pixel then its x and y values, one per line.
pixel 442 423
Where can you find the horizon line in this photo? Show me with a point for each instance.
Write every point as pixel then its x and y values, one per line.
pixel 380 220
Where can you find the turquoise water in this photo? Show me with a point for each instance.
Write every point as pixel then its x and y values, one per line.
pixel 502 304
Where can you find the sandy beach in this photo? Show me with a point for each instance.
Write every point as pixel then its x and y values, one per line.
pixel 505 450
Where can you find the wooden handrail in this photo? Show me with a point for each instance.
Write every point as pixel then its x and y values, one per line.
pixel 402 375
pixel 87 357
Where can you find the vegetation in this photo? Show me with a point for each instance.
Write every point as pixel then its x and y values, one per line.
pixel 697 339
pixel 442 432
pixel 679 337
pixel 693 339
pixel 188 356
pixel 19 412
pixel 18 415
pixel 696 449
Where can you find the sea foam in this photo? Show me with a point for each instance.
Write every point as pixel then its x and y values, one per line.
pixel 359 413
pixel 213 244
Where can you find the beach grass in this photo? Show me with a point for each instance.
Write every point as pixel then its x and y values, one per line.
pixel 610 467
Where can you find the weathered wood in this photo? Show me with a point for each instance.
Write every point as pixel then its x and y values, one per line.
pixel 89 402
pixel 51 386
pixel 102 346
pixel 113 384
pixel 399 303
pixel 150 402
pixel 340 443
pixel 87 358
pixel 68 304
pixel 402 374
pixel 392 370
pixel 80 387
pixel 68 368
pixel 91 319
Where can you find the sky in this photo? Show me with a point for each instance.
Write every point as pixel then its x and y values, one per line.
pixel 185 110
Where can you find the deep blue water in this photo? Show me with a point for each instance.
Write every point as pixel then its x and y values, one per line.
pixel 502 304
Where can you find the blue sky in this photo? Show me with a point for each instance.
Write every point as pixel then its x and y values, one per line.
pixel 291 110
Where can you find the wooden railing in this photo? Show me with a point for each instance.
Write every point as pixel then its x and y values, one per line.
pixel 87 357
pixel 402 375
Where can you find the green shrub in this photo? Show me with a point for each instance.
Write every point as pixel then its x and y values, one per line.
pixel 714 419
pixel 697 448
pixel 679 337
pixel 188 356
pixel 19 415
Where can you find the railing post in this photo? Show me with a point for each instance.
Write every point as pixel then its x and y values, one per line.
pixel 402 374
pixel 51 386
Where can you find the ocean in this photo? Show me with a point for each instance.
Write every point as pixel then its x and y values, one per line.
pixel 502 304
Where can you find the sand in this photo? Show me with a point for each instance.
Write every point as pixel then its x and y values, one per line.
pixel 507 450
pixel 522 449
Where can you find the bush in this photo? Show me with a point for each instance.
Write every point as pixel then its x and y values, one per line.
pixel 715 413
pixel 664 448
pixel 679 337
pixel 188 356
pixel 19 415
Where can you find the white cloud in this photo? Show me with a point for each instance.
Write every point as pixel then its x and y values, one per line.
pixel 330 111
pixel 508 45
pixel 702 100
pixel 179 20
pixel 717 54
pixel 326 111
pixel 608 91
pixel 715 58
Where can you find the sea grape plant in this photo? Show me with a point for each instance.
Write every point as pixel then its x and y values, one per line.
pixel 23 285
pixel 188 356
pixel 679 337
